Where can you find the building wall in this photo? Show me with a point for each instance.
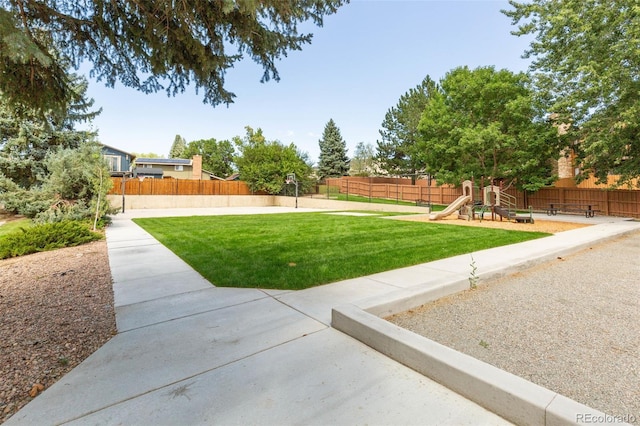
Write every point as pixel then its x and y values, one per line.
pixel 170 171
pixel 565 166
pixel 135 202
pixel 189 171
pixel 196 168
pixel 125 159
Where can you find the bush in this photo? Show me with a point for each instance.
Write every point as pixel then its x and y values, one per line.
pixel 76 180
pixel 44 237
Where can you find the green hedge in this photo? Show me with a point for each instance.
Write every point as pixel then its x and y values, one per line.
pixel 48 236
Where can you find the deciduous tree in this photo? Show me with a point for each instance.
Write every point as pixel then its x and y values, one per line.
pixel 586 66
pixel 363 161
pixel 484 122
pixel 217 156
pixel 264 165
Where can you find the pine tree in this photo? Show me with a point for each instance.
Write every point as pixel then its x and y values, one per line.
pixel 334 161
pixel 27 136
pixel 399 133
pixel 150 46
pixel 178 148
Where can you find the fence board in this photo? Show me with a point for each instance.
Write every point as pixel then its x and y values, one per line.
pixel 619 202
pixel 179 187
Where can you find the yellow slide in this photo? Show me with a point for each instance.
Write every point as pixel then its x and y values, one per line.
pixel 451 208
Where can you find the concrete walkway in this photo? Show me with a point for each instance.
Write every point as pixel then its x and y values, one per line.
pixel 191 353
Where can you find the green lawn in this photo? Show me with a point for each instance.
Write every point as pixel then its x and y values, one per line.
pixel 13 225
pixel 361 199
pixel 301 250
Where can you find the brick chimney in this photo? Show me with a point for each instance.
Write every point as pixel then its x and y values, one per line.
pixel 196 162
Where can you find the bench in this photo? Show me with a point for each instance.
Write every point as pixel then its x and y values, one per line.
pixel 587 209
pixel 423 203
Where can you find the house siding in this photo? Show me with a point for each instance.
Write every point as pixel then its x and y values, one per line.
pixel 119 161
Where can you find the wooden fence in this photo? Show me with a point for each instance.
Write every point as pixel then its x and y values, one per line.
pixel 624 203
pixel 620 202
pixel 396 189
pixel 179 187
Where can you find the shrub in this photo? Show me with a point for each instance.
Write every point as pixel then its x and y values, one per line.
pixel 75 181
pixel 44 237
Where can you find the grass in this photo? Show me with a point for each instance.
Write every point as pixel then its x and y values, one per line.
pixel 361 199
pixel 301 250
pixel 14 225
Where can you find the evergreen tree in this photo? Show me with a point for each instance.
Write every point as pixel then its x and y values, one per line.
pixel 397 147
pixel 28 135
pixel 150 45
pixel 178 147
pixel 74 187
pixel 334 161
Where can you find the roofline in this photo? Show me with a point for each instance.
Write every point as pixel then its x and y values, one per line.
pixel 166 161
pixel 211 174
pixel 118 149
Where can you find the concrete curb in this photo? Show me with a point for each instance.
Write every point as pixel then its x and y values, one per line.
pixel 509 396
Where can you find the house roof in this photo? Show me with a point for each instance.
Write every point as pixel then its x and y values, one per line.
pixel 119 150
pixel 138 171
pixel 212 176
pixel 164 161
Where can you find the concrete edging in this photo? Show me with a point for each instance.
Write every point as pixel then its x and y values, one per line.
pixel 509 396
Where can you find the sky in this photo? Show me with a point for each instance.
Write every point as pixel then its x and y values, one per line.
pixel 360 62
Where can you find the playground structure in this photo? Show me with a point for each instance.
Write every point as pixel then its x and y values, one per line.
pixel 474 203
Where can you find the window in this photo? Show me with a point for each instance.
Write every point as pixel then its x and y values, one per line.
pixel 178 168
pixel 113 162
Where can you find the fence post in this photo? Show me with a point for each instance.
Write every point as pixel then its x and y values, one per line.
pixel 347 189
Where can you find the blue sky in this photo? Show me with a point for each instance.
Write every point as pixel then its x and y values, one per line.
pixel 360 62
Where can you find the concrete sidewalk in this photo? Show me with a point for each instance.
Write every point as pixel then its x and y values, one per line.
pixel 191 353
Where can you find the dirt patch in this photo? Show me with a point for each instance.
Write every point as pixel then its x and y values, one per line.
pixel 57 309
pixel 548 226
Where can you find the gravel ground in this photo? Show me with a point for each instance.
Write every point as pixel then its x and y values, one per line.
pixel 571 325
pixel 57 309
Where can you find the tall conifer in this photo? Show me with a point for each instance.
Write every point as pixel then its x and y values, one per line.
pixel 334 161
